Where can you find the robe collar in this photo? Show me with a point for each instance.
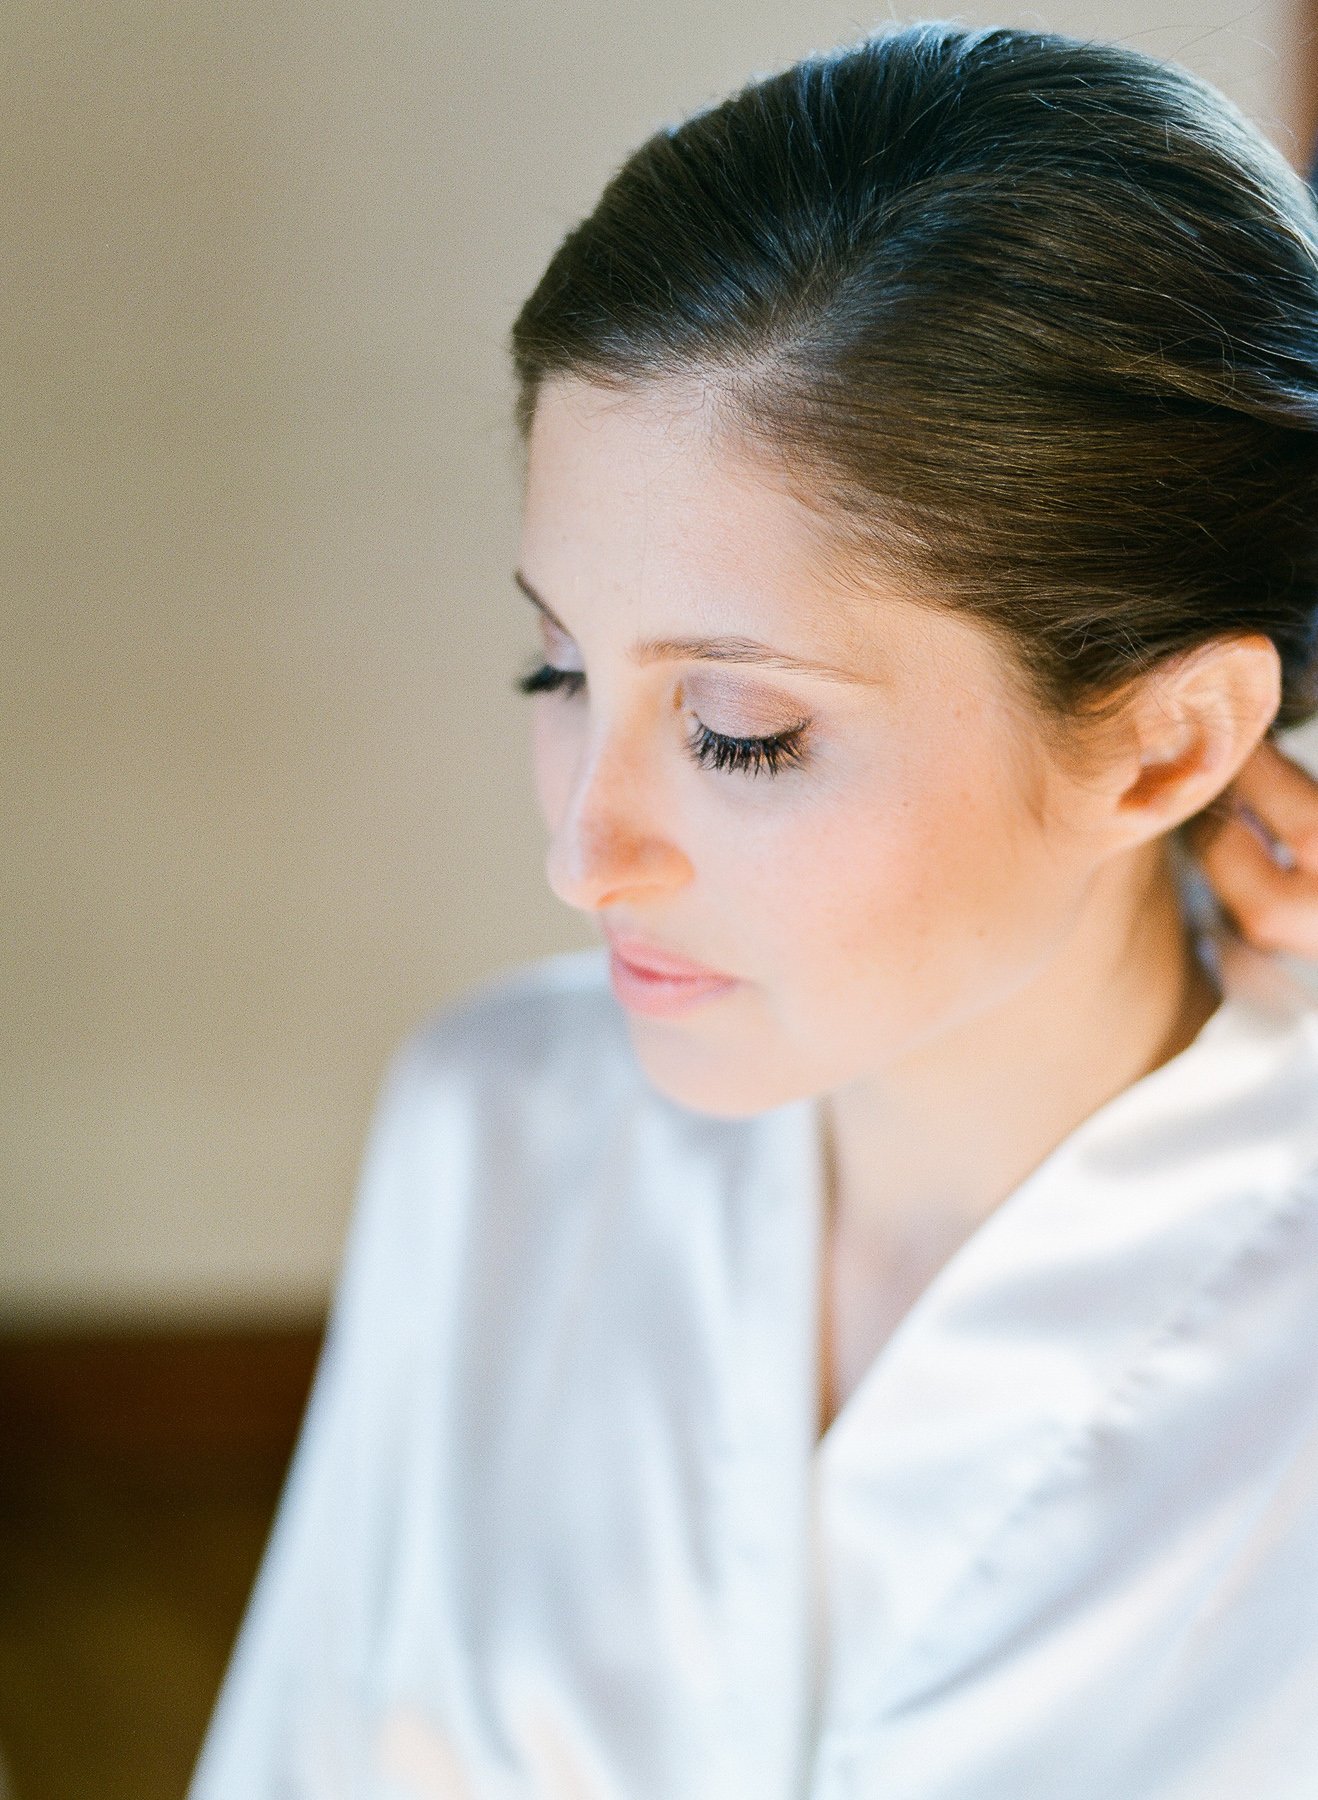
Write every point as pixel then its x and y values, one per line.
pixel 998 1372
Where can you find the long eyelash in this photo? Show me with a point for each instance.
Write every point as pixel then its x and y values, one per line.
pixel 546 679
pixel 712 750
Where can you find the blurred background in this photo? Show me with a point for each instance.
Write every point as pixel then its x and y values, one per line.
pixel 263 789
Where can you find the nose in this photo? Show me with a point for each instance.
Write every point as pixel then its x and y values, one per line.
pixel 612 842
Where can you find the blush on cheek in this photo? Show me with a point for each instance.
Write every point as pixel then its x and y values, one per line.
pixel 899 905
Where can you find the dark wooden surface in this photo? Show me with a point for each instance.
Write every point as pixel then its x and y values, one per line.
pixel 138 1479
pixel 180 1397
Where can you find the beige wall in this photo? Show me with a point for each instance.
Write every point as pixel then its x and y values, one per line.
pixel 264 797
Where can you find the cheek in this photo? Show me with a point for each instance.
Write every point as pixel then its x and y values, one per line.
pixel 904 900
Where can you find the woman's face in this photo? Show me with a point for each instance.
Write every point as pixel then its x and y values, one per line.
pixel 913 859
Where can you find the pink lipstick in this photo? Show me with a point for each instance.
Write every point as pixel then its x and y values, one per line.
pixel 658 984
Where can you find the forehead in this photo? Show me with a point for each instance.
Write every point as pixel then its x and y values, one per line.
pixel 635 501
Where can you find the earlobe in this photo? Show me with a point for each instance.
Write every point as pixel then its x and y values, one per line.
pixel 1196 722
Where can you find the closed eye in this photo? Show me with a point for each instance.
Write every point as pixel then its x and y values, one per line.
pixel 547 680
pixel 708 749
pixel 751 755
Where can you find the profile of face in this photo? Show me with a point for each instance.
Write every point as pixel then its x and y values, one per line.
pixel 909 856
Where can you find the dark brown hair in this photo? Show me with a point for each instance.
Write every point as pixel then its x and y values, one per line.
pixel 1033 319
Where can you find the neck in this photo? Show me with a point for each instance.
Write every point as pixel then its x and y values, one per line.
pixel 923 1151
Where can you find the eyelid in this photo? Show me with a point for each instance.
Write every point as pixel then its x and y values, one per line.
pixel 748 753
pixel 554 639
pixel 787 724
pixel 746 699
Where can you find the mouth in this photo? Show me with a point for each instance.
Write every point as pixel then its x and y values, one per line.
pixel 658 984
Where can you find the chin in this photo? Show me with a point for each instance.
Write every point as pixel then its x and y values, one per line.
pixel 706 1077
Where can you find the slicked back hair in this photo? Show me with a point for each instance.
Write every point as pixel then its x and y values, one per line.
pixel 1030 319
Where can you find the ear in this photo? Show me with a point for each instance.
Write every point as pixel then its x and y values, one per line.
pixel 1191 725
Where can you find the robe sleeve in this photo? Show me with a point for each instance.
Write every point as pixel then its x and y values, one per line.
pixel 292 1718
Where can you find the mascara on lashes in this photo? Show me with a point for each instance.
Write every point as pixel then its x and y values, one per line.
pixel 710 749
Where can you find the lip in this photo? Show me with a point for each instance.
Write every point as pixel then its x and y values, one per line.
pixel 657 983
pixel 651 960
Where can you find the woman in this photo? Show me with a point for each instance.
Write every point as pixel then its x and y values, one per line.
pixel 858 1339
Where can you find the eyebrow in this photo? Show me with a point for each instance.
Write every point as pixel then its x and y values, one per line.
pixel 708 649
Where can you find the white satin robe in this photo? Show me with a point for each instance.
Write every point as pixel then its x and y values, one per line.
pixel 558 1525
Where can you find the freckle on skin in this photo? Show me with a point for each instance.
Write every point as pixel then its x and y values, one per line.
pixel 905 879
